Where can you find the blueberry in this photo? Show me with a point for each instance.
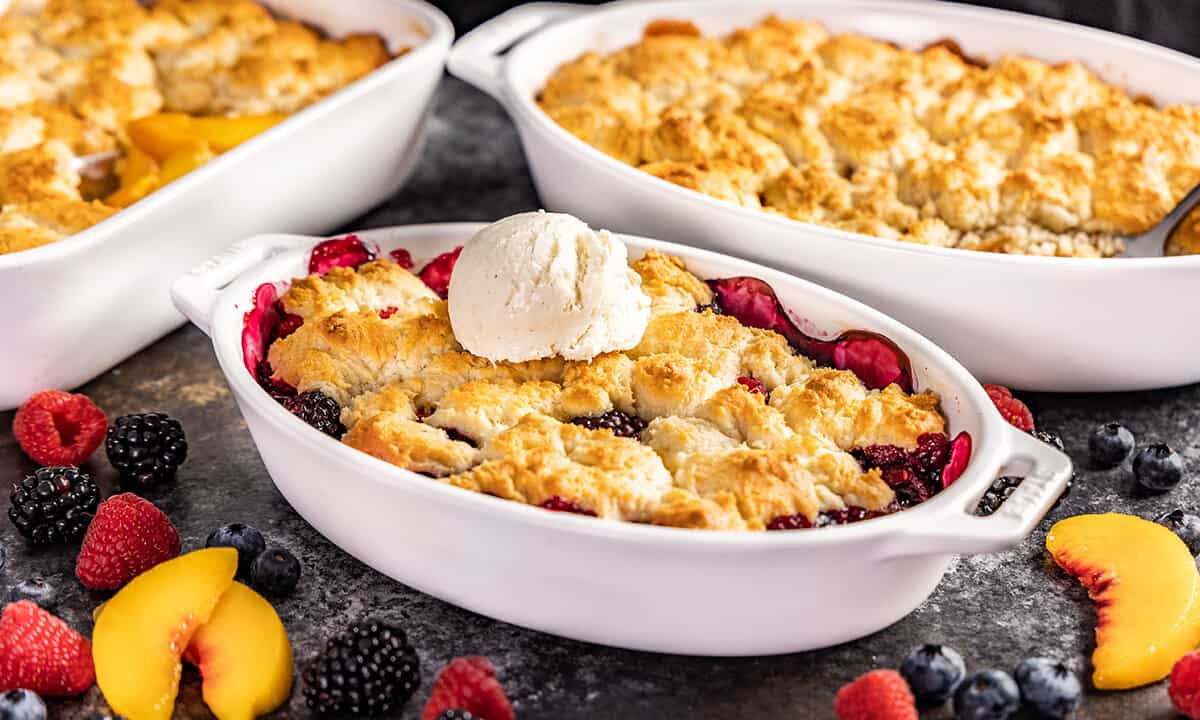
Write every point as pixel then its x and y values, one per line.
pixel 22 704
pixel 1185 525
pixel 987 695
pixel 1110 444
pixel 36 589
pixel 1049 687
pixel 932 672
pixel 275 572
pixel 1050 438
pixel 246 540
pixel 1158 468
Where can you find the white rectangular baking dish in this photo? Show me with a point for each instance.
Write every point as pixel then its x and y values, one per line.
pixel 1033 323
pixel 72 309
pixel 632 586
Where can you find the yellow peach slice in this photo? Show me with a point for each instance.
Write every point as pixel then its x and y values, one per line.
pixel 244 656
pixel 1147 593
pixel 184 159
pixel 163 134
pixel 143 630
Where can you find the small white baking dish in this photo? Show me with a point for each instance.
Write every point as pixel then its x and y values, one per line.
pixel 632 586
pixel 72 309
pixel 1033 323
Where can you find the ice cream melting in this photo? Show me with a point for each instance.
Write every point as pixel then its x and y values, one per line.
pixel 541 284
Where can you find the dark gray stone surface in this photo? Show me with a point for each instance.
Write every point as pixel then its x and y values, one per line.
pixel 995 609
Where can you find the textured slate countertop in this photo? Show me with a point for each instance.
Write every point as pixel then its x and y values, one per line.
pixel 995 609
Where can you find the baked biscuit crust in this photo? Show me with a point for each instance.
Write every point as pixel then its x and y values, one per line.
pixel 712 454
pixel 926 146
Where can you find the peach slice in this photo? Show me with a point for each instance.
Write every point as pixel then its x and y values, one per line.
pixel 244 656
pixel 1147 593
pixel 164 134
pixel 143 630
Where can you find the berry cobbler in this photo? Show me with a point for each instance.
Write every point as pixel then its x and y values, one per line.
pixel 930 147
pixel 716 414
pixel 164 86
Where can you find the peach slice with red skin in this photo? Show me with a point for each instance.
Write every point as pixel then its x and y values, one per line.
pixel 243 655
pixel 141 633
pixel 1147 593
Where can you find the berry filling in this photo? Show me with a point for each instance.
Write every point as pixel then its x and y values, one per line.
pixel 916 475
pixel 753 385
pixel 402 257
pixel 621 424
pixel 960 453
pixel 437 273
pixel 260 326
pixel 348 251
pixel 876 360
pixel 388 311
pixel 561 504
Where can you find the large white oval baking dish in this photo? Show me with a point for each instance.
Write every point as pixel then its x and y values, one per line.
pixel 72 309
pixel 1034 323
pixel 632 586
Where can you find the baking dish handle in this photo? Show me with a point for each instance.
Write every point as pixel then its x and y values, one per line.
pixel 1046 471
pixel 476 57
pixel 195 293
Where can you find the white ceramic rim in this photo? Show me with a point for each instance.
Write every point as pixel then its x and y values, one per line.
pixel 991 452
pixel 440 35
pixel 524 105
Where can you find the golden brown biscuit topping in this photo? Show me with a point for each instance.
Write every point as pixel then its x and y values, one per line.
pixel 927 146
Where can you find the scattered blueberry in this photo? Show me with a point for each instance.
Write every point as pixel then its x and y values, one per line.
pixel 21 704
pixel 1110 444
pixel 1050 438
pixel 932 673
pixel 987 695
pixel 1049 687
pixel 275 572
pixel 36 589
pixel 1158 468
pixel 246 540
pixel 1185 525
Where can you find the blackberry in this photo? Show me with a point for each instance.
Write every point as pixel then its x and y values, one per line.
pixel 622 424
pixel 995 496
pixel 318 410
pixel 146 448
pixel 1050 438
pixel 456 714
pixel 53 505
pixel 368 670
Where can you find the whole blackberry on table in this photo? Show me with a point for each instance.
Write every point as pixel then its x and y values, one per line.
pixel 369 669
pixel 1050 438
pixel 53 505
pixel 622 424
pixel 146 448
pixel 318 410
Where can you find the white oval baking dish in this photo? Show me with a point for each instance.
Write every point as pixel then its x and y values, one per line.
pixel 1055 324
pixel 72 309
pixel 632 586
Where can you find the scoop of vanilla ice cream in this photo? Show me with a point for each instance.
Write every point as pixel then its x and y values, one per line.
pixel 541 284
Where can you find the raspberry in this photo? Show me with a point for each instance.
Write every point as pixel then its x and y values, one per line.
pixel 960 454
pixel 348 251
pixel 402 257
pixel 468 683
pixel 878 695
pixel 932 453
pixel 437 273
pixel 1011 409
pixel 753 385
pixel 40 652
pixel 127 537
pixel 558 503
pixel 1184 686
pixel 58 428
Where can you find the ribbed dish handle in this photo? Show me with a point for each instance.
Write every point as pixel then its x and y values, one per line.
pixel 195 293
pixel 1046 471
pixel 477 56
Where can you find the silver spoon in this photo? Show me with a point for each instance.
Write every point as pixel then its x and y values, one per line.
pixel 1153 242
